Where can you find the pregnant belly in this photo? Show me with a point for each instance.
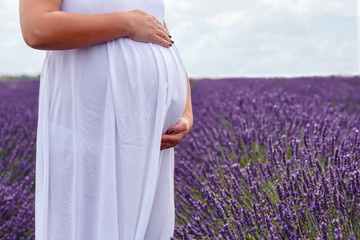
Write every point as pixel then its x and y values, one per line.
pixel 142 79
pixel 148 68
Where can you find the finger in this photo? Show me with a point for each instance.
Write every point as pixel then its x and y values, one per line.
pixel 159 24
pixel 171 130
pixel 161 41
pixel 165 146
pixel 177 128
pixel 155 19
pixel 167 30
pixel 162 28
pixel 163 34
pixel 166 138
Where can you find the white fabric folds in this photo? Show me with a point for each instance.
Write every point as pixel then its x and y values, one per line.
pixel 100 174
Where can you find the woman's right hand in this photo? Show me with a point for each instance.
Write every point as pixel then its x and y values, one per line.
pixel 144 27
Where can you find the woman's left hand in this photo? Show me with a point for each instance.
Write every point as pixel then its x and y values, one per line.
pixel 172 138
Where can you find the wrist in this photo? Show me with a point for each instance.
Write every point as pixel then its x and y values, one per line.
pixel 125 22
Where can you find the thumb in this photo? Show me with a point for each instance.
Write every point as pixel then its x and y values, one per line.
pixel 174 128
pixel 171 129
pixel 177 127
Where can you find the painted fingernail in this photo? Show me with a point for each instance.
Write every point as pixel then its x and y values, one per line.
pixel 170 36
pixel 172 41
pixel 170 44
pixel 171 130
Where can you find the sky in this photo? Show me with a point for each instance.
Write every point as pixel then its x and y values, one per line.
pixel 234 38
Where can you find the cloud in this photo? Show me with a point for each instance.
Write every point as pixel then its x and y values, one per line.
pixel 234 37
pixel 15 56
pixel 267 37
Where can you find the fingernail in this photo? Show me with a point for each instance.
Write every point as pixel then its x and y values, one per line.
pixel 171 130
pixel 170 36
pixel 170 44
pixel 172 41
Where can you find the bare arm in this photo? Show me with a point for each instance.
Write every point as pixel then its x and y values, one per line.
pixel 188 114
pixel 44 26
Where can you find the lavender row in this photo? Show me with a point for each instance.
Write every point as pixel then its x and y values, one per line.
pixel 271 159
pixel 18 116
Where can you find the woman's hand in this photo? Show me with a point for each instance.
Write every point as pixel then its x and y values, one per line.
pixel 179 132
pixel 146 28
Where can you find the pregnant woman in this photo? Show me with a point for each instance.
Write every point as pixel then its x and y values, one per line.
pixel 114 101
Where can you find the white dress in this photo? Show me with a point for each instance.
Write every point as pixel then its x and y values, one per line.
pixel 100 174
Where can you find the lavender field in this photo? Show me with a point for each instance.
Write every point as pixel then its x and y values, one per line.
pixel 266 159
pixel 18 116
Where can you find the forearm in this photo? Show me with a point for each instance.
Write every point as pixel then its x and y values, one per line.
pixel 62 30
pixel 188 114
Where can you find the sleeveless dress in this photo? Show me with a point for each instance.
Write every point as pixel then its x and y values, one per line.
pixel 100 174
